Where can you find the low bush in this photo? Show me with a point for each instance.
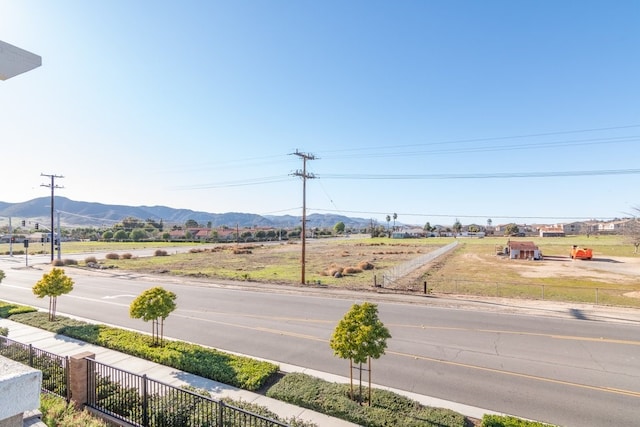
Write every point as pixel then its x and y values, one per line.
pixel 508 421
pixel 365 265
pixel 4 332
pixel 127 256
pixel 112 256
pixel 7 309
pixel 352 270
pixel 57 412
pixel 57 263
pixel 90 260
pixel 160 252
pixel 387 408
pixel 69 261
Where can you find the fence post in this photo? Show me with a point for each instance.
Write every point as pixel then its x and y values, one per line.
pixel 67 379
pixel 78 378
pixel 425 286
pixel 220 413
pixel 145 402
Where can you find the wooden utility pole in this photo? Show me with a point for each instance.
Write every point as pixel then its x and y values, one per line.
pixel 304 175
pixel 52 186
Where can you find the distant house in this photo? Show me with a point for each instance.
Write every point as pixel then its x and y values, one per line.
pixel 523 250
pixel 612 226
pixel 408 233
pixel 551 231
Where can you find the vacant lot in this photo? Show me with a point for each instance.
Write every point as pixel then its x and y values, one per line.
pixel 475 268
pixel 343 262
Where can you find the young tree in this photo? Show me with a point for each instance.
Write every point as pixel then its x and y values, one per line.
pixel 457 226
pixel 632 232
pixel 359 337
pixel 154 304
pixel 339 227
pixel 511 229
pixel 52 285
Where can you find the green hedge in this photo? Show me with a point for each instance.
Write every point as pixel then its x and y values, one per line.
pixel 508 421
pixel 8 309
pixel 387 409
pixel 238 371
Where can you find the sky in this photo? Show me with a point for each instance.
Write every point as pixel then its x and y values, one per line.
pixel 524 111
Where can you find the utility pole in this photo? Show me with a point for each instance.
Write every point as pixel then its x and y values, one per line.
pixel 304 175
pixel 52 186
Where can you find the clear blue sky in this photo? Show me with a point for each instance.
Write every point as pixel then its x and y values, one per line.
pixel 429 109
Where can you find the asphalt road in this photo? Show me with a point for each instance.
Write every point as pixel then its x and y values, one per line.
pixel 562 370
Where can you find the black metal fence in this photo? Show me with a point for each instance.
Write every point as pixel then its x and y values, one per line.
pixel 55 368
pixel 141 401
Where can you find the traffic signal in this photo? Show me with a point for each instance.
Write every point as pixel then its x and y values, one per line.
pixel 37 226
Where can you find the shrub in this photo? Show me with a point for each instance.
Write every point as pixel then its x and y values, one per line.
pixel 160 252
pixel 90 260
pixel 4 332
pixel 508 421
pixel 352 270
pixel 7 309
pixel 365 265
pixel 57 263
pixel 127 256
pixel 69 261
pixel 112 256
pixel 57 412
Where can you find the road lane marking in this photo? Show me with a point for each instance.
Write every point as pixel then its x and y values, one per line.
pixel 603 389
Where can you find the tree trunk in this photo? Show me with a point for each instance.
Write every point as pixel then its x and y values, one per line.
pixel 351 378
pixel 360 385
pixel 369 362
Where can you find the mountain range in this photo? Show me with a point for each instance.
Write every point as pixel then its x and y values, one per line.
pixel 87 214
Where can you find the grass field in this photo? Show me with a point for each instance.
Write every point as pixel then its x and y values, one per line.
pixel 613 277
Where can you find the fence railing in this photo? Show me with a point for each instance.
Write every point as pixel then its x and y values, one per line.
pixel 391 275
pixel 141 401
pixel 55 368
pixel 545 292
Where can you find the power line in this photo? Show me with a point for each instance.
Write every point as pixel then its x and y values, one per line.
pixel 485 175
pixel 446 215
pixel 498 138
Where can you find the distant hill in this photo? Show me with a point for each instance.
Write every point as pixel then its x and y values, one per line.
pixel 87 214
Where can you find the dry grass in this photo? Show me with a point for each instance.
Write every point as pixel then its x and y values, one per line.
pixel 343 263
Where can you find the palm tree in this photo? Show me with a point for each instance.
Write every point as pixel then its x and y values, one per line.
pixel 388 220
pixel 395 216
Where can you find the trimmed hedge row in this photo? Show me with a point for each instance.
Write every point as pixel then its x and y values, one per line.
pixel 387 409
pixel 238 371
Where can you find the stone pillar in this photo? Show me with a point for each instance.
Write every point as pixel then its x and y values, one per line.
pixel 78 378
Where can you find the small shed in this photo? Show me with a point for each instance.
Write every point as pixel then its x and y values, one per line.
pixel 523 250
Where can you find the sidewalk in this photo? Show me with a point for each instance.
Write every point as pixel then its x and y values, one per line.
pixel 65 346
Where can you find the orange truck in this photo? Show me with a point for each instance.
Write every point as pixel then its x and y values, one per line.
pixel 581 253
